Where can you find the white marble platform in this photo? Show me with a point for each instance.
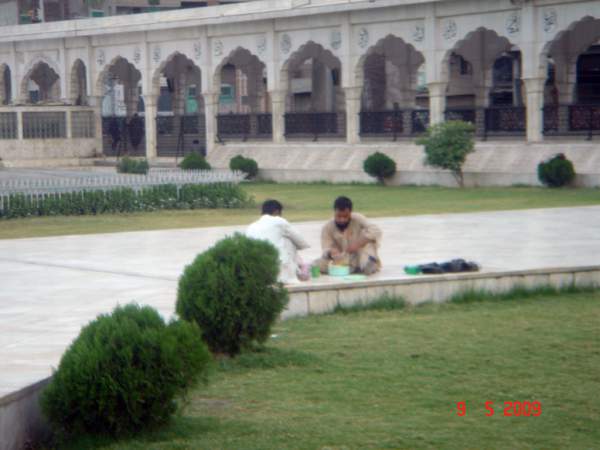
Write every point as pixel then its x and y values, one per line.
pixel 50 287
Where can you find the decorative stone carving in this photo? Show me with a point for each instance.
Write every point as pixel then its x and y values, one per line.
pixel 363 38
pixel 137 55
pixel 450 30
pixel 218 48
pixel 419 33
pixel 336 39
pixel 156 52
pixel 261 45
pixel 286 43
pixel 513 23
pixel 101 57
pixel 197 50
pixel 550 20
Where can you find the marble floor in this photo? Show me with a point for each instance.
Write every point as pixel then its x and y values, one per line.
pixel 50 287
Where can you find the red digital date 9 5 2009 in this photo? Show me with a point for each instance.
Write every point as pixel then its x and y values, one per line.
pixel 515 409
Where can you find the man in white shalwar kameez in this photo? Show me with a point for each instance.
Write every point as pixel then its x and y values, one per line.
pixel 279 232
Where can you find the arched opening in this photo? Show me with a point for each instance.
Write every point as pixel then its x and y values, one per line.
pixel 484 84
pixel 5 85
pixel 244 104
pixel 123 126
pixel 41 84
pixel 180 121
pixel 394 98
pixel 315 101
pixel 572 90
pixel 79 95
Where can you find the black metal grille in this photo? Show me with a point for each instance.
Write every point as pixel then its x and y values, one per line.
pixel 382 123
pixel 123 136
pixel 572 120
pixel 180 135
pixel 315 124
pixel 584 117
pixel 420 120
pixel 464 114
pixel 509 120
pixel 244 126
pixel 551 119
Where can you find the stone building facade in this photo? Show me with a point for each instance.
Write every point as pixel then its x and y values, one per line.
pixel 295 75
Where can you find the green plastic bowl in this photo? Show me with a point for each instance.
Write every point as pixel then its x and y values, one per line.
pixel 339 271
pixel 412 270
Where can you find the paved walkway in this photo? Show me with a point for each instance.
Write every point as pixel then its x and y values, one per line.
pixel 50 287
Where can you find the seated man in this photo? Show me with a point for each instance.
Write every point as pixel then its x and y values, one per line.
pixel 278 231
pixel 349 239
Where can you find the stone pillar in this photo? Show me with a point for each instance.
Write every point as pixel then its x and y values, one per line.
pixel 534 88
pixel 482 101
pixel 96 103
pixel 69 123
pixel 278 113
pixel 353 97
pixel 150 112
pixel 211 109
pixel 437 102
pixel 19 124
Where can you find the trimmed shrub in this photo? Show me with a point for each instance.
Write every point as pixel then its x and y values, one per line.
pixel 447 145
pixel 128 165
pixel 194 161
pixel 246 165
pixel 231 291
pixel 556 172
pixel 124 200
pixel 124 372
pixel 380 166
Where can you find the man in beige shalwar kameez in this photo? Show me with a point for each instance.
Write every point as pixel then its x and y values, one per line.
pixel 350 239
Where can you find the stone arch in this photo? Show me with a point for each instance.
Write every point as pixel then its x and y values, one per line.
pixel 309 50
pixel 180 114
pixel 5 85
pixel 248 72
pixel 406 60
pixel 181 73
pixel 502 44
pixel 79 90
pixel 332 98
pixel 468 68
pixel 564 51
pixel 125 73
pixel 46 78
pixel 164 65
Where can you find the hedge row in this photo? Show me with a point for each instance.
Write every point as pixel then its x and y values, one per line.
pixel 124 200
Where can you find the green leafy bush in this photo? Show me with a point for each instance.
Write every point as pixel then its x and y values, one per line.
pixel 124 372
pixel 380 166
pixel 231 291
pixel 216 195
pixel 194 161
pixel 128 165
pixel 246 165
pixel 447 146
pixel 124 200
pixel 556 172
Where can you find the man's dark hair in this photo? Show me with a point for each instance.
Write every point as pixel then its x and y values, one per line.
pixel 271 206
pixel 342 203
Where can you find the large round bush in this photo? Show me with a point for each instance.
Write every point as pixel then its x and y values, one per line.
pixel 380 166
pixel 246 165
pixel 231 291
pixel 124 372
pixel 556 172
pixel 194 161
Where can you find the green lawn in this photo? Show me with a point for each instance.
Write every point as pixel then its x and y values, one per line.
pixel 391 379
pixel 312 202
